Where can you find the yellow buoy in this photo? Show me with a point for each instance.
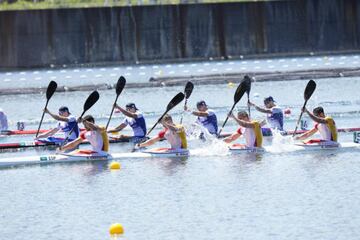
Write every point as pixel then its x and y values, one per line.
pixel 230 84
pixel 116 228
pixel 114 165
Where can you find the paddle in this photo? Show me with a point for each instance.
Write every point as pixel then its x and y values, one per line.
pixel 90 101
pixel 187 91
pixel 241 89
pixel 119 87
pixel 309 90
pixel 247 81
pixel 175 101
pixel 49 92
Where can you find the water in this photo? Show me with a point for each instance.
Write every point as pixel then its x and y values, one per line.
pixel 212 195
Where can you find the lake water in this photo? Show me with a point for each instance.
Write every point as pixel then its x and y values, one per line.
pixel 212 195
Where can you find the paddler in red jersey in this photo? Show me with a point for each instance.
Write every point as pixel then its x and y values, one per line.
pixel 96 136
pixel 173 133
pixel 324 124
pixel 251 130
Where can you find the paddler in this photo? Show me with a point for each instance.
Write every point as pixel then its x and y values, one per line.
pixel 173 133
pixel 66 123
pixel 205 117
pixel 275 116
pixel 251 130
pixel 135 119
pixel 3 121
pixel 324 124
pixel 95 134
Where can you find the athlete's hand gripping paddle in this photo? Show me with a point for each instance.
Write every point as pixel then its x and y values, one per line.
pixel 90 101
pixel 187 91
pixel 49 92
pixel 119 87
pixel 175 101
pixel 240 91
pixel 309 90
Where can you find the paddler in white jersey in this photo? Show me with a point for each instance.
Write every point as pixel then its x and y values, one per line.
pixel 96 136
pixel 174 134
pixel 66 123
pixel 324 124
pixel 3 121
pixel 135 119
pixel 205 116
pixel 251 130
pixel 275 116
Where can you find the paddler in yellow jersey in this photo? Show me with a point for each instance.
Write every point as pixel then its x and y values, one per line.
pixel 173 133
pixel 251 130
pixel 96 136
pixel 324 124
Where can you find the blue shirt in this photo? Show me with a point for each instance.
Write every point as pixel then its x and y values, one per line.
pixel 209 122
pixel 137 124
pixel 276 118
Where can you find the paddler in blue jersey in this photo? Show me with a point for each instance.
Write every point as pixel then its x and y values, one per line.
pixel 324 124
pixel 205 117
pixel 251 130
pixel 275 116
pixel 173 133
pixel 135 119
pixel 66 123
pixel 96 136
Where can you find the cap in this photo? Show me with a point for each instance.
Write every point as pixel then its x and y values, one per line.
pixel 269 99
pixel 131 105
pixel 201 103
pixel 64 109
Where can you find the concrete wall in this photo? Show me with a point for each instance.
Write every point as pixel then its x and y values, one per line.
pixel 161 33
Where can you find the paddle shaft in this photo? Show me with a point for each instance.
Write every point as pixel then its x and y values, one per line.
pixel 182 114
pixel 298 121
pixel 227 118
pixel 112 111
pixel 42 118
pixel 157 122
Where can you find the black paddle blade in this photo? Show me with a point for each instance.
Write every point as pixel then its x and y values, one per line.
pixel 51 89
pixel 241 89
pixel 309 90
pixel 188 89
pixel 175 101
pixel 91 100
pixel 120 85
pixel 247 82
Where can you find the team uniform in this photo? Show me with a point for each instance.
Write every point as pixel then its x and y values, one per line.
pixel 98 140
pixel 209 122
pixel 276 119
pixel 66 127
pixel 3 121
pixel 177 140
pixel 253 136
pixel 138 125
pixel 327 130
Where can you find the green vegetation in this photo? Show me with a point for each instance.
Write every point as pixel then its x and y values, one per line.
pixel 48 4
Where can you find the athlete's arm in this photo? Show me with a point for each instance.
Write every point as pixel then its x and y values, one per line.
pixel 314 118
pixel 307 134
pixel 126 113
pixel 91 126
pixel 56 117
pixel 48 133
pixel 242 123
pixel 232 137
pixel 71 145
pixel 149 142
pixel 118 128
pixel 260 109
pixel 200 114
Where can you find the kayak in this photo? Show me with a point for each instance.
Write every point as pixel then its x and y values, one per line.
pixel 86 156
pixel 240 148
pixel 319 145
pixel 20 132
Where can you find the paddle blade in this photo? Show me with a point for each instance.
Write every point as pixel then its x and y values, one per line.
pixel 309 90
pixel 241 89
pixel 120 85
pixel 247 83
pixel 51 89
pixel 188 89
pixel 91 100
pixel 175 101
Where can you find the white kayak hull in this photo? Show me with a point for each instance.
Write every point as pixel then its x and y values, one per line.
pixel 242 149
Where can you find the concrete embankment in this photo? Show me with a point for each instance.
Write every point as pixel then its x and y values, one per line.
pixel 204 79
